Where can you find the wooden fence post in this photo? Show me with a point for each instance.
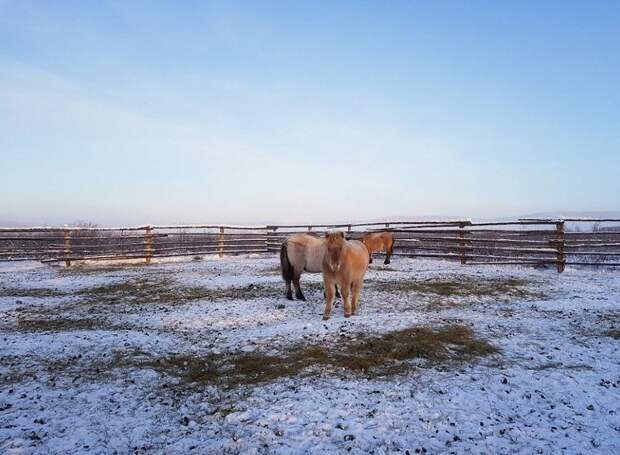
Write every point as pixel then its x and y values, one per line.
pixel 274 229
pixel 462 251
pixel 148 243
pixel 220 243
pixel 67 245
pixel 559 234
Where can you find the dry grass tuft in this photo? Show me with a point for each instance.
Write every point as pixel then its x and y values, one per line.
pixel 613 333
pixel 163 290
pixel 272 270
pixel 57 325
pixel 369 355
pixel 32 292
pixel 461 287
pixel 95 269
pixel 89 309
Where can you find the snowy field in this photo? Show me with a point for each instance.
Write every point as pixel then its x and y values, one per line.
pixel 209 357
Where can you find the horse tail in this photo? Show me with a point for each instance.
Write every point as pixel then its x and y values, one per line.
pixel 285 265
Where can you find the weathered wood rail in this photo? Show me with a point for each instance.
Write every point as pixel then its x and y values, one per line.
pixel 536 242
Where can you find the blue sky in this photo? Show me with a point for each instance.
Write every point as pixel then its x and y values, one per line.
pixel 132 112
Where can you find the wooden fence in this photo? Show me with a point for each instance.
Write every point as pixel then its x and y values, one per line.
pixel 533 242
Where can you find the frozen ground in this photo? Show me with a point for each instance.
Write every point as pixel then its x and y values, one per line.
pixel 100 360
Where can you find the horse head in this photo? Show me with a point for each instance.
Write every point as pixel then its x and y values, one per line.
pixel 335 243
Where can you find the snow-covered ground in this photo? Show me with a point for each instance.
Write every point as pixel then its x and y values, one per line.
pixel 80 361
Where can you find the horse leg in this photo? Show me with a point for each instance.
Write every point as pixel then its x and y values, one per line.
pixel 337 292
pixel 289 291
pixel 329 298
pixel 388 253
pixel 298 293
pixel 287 270
pixel 346 300
pixel 356 288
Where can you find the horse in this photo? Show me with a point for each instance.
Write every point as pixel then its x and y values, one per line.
pixel 379 241
pixel 301 253
pixel 344 264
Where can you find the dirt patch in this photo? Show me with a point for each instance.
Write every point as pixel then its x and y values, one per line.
pixel 368 355
pixel 462 287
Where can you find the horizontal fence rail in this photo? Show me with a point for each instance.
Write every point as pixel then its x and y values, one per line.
pixel 536 242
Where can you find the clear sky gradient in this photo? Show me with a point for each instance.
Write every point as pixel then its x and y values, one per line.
pixel 128 112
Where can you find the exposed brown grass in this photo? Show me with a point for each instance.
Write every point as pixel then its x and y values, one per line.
pixel 272 270
pixel 57 325
pixel 462 287
pixel 369 355
pixel 31 292
pixel 613 333
pixel 95 269
pixel 163 290
pixel 89 309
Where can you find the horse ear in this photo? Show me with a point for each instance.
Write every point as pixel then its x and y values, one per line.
pixel 326 234
pixel 342 234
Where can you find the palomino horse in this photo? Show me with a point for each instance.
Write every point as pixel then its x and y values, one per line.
pixel 344 264
pixel 379 241
pixel 301 253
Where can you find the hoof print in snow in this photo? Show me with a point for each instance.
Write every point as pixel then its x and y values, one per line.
pixel 281 306
pixel 349 437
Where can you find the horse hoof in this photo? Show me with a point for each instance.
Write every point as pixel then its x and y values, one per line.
pixel 301 297
pixel 325 318
pixel 386 262
pixel 289 296
pixel 347 315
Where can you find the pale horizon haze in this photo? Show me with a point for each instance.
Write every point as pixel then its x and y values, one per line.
pixel 125 113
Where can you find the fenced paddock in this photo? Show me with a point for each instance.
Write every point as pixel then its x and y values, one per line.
pixel 534 242
pixel 467 355
pixel 209 357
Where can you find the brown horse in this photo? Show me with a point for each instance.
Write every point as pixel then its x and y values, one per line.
pixel 344 264
pixel 301 253
pixel 379 241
